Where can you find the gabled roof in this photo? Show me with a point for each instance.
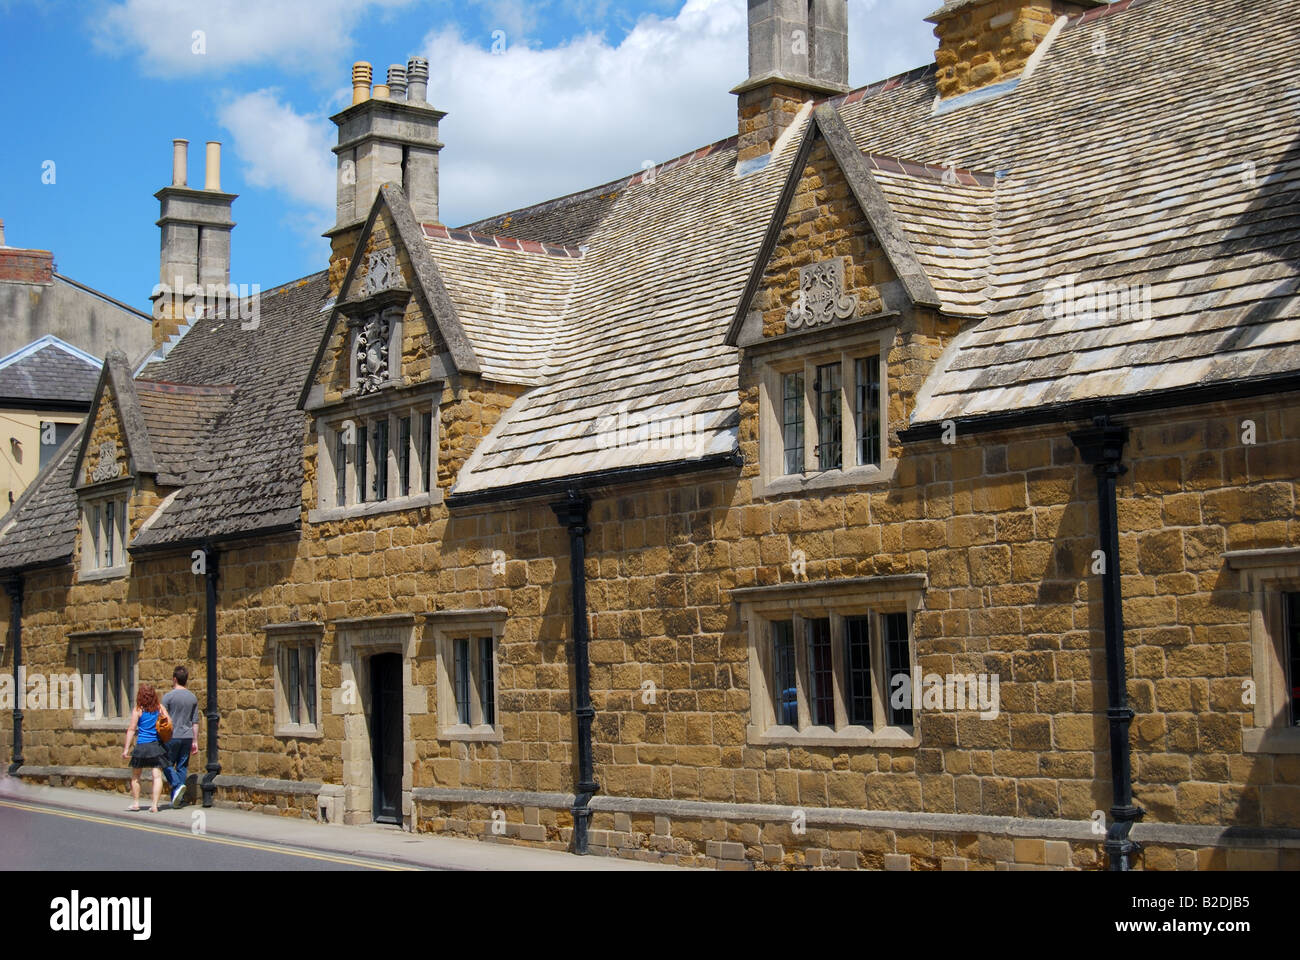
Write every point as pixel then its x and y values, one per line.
pixel 1171 162
pixel 49 371
pixel 1168 165
pixel 428 287
pixel 510 297
pixel 640 349
pixel 827 125
pixel 246 477
pixel 117 375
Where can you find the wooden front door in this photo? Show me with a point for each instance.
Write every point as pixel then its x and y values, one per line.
pixel 386 735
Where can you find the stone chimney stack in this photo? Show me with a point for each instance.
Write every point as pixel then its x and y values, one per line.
pixel 983 42
pixel 196 227
pixel 798 51
pixel 392 138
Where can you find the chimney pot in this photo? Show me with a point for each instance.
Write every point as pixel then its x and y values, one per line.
pixel 213 179
pixel 417 80
pixel 381 91
pixel 180 162
pixel 397 81
pixel 362 73
pixel 2 233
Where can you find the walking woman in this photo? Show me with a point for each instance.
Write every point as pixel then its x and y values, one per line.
pixel 149 752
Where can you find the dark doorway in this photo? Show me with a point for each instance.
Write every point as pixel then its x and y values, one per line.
pixel 386 735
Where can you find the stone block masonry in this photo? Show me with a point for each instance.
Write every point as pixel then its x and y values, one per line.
pixel 1009 593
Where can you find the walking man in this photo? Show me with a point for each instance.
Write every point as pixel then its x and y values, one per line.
pixel 183 707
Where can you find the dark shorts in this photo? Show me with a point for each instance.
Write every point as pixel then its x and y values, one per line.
pixel 148 755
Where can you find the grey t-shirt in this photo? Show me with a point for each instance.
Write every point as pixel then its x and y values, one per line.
pixel 183 707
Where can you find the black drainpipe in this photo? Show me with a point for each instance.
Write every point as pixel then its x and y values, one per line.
pixel 14 588
pixel 1102 446
pixel 210 557
pixel 573 513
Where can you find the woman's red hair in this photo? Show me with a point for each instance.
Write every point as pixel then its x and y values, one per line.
pixel 146 698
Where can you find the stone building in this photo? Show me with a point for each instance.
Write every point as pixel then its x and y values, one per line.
pixel 54 334
pixel 908 481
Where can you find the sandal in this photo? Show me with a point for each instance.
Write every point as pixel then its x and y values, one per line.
pixel 153 809
pixel 132 809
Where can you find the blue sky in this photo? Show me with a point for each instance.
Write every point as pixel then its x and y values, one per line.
pixel 584 91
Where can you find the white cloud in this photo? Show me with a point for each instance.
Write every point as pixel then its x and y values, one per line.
pixel 281 150
pixel 234 33
pixel 532 124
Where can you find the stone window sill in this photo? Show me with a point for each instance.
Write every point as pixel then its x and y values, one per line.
pixel 900 738
pixel 1271 740
pixel 328 514
pixel 298 731
pixel 826 480
pixel 101 723
pixel 467 734
pixel 111 573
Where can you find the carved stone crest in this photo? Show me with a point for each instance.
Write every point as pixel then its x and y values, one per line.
pixel 372 353
pixel 821 298
pixel 381 272
pixel 107 468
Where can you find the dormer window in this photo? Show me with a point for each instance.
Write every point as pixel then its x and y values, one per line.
pixel 822 413
pixel 104 533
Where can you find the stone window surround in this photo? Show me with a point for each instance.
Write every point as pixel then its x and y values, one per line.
pixel 132 641
pixel 1266 575
pixel 118 491
pixel 448 626
pixel 279 637
pixel 805 350
pixel 854 596
pixel 417 401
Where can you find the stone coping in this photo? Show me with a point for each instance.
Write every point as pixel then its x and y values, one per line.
pixel 1077 830
pixel 257 784
pixel 1173 834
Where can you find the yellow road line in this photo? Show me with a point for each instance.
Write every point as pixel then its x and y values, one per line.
pixel 248 844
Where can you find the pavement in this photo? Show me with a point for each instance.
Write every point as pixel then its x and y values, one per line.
pixel 64 828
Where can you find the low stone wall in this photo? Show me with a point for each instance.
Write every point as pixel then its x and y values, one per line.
pixel 322 802
pixel 758 837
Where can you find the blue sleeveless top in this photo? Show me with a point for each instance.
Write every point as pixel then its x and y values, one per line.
pixel 147 730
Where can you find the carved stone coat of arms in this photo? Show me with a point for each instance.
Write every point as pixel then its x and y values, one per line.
pixel 821 297
pixel 372 354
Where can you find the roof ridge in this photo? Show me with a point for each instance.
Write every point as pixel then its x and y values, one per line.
pixel 103 296
pixel 619 183
pixel 463 235
pixel 882 86
pixel 50 340
pixel 1119 6
pixel 689 157
pixel 931 171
